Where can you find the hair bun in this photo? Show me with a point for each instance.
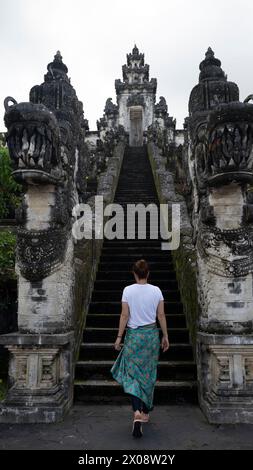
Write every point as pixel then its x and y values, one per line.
pixel 141 269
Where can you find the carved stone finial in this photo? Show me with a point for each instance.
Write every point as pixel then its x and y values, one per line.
pixel 135 50
pixel 210 67
pixel 58 56
pixel 57 68
pixel 110 108
pixel 135 55
pixel 213 87
pixel 209 53
pixel 161 107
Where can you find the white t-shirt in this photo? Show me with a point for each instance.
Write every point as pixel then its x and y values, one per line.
pixel 143 300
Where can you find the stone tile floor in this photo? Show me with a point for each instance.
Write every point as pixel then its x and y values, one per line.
pixel 90 427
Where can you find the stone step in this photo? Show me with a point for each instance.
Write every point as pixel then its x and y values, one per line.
pixel 138 190
pixel 121 284
pixel 133 250
pixel 148 185
pixel 152 257
pixel 142 185
pixel 137 199
pixel 117 243
pixel 112 321
pixel 124 201
pixel 111 392
pixel 144 238
pixel 114 265
pixel 166 370
pixel 154 276
pixel 102 351
pixel 114 308
pixel 139 233
pixel 106 334
pixel 116 295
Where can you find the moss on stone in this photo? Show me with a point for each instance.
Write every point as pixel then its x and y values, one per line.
pixel 184 258
pixel 3 389
pixel 184 262
pixel 7 255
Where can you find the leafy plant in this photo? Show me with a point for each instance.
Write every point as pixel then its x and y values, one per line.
pixel 10 191
pixel 7 255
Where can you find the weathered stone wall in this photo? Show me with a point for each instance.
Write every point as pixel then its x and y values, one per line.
pixel 45 360
pixel 218 148
pixel 225 377
pixel 185 256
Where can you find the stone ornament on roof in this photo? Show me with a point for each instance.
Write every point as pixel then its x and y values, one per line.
pixel 210 67
pixel 135 74
pixel 57 69
pixel 135 55
pixel 110 108
pixel 161 107
pixel 213 89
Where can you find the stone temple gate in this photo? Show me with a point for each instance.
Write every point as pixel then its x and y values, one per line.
pixel 69 289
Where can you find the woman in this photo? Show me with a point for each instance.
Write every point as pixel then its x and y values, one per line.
pixel 136 365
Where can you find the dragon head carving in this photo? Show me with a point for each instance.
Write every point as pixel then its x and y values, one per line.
pixel 223 146
pixel 33 139
pixel 48 153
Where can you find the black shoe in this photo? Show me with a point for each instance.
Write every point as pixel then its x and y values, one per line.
pixel 137 429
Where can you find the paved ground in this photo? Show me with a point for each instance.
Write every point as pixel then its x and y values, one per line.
pixel 103 427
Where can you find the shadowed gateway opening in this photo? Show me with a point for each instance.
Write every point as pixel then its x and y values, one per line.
pixel 136 127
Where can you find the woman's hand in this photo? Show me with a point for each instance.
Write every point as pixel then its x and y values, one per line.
pixel 117 345
pixel 165 343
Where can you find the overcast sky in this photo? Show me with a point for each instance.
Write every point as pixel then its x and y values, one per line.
pixel 95 35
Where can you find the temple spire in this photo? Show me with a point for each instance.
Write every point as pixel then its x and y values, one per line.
pixel 57 69
pixel 135 57
pixel 213 88
pixel 210 67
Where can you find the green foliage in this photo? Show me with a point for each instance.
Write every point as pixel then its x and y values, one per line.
pixel 9 190
pixel 3 387
pixel 185 264
pixel 7 255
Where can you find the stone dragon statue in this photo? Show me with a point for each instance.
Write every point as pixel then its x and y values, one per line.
pixel 219 148
pixel 46 143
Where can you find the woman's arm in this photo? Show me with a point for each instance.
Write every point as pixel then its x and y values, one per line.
pixel 162 320
pixel 122 324
pixel 123 318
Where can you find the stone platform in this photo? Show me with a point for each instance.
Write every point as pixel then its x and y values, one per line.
pixel 105 428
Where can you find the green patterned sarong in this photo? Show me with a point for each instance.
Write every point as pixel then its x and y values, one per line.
pixel 136 365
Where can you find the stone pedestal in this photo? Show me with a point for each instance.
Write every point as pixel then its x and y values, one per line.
pixel 225 377
pixel 40 377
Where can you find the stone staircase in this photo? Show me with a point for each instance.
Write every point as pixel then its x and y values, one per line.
pixel 176 380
